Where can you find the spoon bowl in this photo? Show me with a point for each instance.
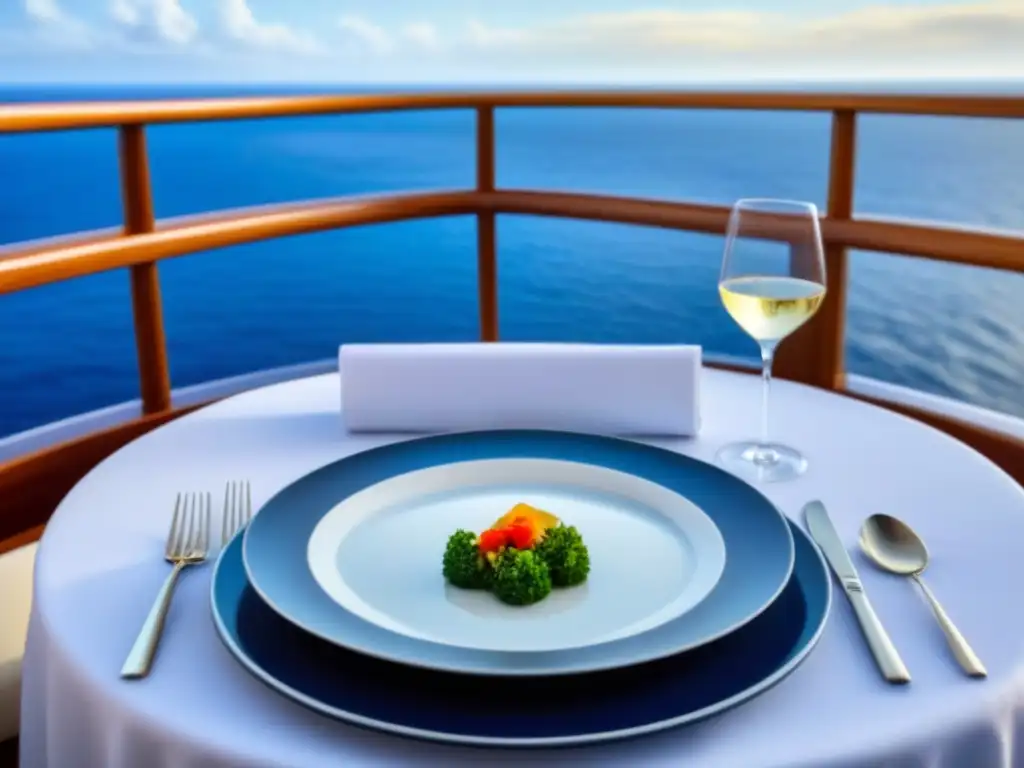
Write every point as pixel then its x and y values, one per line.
pixel 893 545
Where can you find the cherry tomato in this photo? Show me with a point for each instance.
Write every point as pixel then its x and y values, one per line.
pixel 493 539
pixel 520 535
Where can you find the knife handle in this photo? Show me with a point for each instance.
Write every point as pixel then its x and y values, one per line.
pixel 885 653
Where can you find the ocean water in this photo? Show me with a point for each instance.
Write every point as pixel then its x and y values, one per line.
pixel 67 348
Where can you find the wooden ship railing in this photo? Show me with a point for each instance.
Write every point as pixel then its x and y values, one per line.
pixel 32 485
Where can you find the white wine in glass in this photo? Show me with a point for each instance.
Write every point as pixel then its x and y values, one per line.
pixel 772 282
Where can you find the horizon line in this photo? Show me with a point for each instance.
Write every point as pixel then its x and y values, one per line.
pixel 752 80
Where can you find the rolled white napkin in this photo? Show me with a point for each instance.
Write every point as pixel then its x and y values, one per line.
pixel 597 388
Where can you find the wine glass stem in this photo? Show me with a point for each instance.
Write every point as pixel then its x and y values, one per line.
pixel 767 356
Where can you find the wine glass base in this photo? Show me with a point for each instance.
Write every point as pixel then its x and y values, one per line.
pixel 766 463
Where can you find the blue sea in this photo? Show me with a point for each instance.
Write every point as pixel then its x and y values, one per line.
pixel 69 347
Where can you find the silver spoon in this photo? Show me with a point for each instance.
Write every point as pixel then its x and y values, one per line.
pixel 894 547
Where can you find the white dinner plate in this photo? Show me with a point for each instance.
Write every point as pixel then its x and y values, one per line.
pixel 658 613
pixel 528 711
pixel 654 554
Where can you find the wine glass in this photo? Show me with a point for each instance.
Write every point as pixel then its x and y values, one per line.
pixel 772 282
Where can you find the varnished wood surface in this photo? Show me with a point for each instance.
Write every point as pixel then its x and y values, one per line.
pixel 32 485
pixel 486 227
pixel 814 354
pixel 139 219
pixel 20 540
pixel 43 262
pixel 49 117
pixel 965 245
pixel 38 264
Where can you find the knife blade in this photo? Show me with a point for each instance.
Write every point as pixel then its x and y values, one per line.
pixel 827 538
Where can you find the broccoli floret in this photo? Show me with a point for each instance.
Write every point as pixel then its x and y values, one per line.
pixel 520 577
pixel 566 555
pixel 463 565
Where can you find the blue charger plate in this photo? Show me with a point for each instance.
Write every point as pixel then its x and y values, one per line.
pixel 531 711
pixel 758 545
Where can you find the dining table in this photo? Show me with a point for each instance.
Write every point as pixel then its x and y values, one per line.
pixel 100 565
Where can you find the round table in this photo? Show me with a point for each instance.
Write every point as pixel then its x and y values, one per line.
pixel 99 567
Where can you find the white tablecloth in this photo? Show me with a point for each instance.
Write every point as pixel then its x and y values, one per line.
pixel 99 568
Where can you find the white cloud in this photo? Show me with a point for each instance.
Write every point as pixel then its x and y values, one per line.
pixel 53 27
pixel 423 35
pixel 364 35
pixel 160 20
pixel 872 38
pixel 946 29
pixel 126 12
pixel 984 38
pixel 360 35
pixel 242 26
pixel 174 23
pixel 484 36
pixel 44 10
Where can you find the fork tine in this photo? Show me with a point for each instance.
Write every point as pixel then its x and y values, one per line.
pixel 200 523
pixel 231 512
pixel 206 523
pixel 195 509
pixel 237 509
pixel 194 525
pixel 172 535
pixel 225 521
pixel 181 540
pixel 197 536
pixel 236 506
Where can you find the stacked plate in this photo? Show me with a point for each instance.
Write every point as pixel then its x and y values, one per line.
pixel 700 594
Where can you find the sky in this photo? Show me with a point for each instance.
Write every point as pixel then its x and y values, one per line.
pixel 522 41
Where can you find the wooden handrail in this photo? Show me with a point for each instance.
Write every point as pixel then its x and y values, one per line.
pixel 830 322
pixel 486 229
pixel 815 352
pixel 813 356
pixel 28 265
pixel 41 264
pixel 150 342
pixel 54 117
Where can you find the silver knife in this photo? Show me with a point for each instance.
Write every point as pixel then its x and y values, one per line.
pixel 824 533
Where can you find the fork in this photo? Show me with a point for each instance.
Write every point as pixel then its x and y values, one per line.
pixel 187 544
pixel 237 510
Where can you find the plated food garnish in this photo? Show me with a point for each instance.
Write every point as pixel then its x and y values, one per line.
pixel 520 558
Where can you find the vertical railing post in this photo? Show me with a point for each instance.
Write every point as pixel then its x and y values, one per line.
pixel 814 355
pixel 150 343
pixel 486 236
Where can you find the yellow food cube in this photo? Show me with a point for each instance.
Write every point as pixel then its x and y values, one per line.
pixel 537 519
